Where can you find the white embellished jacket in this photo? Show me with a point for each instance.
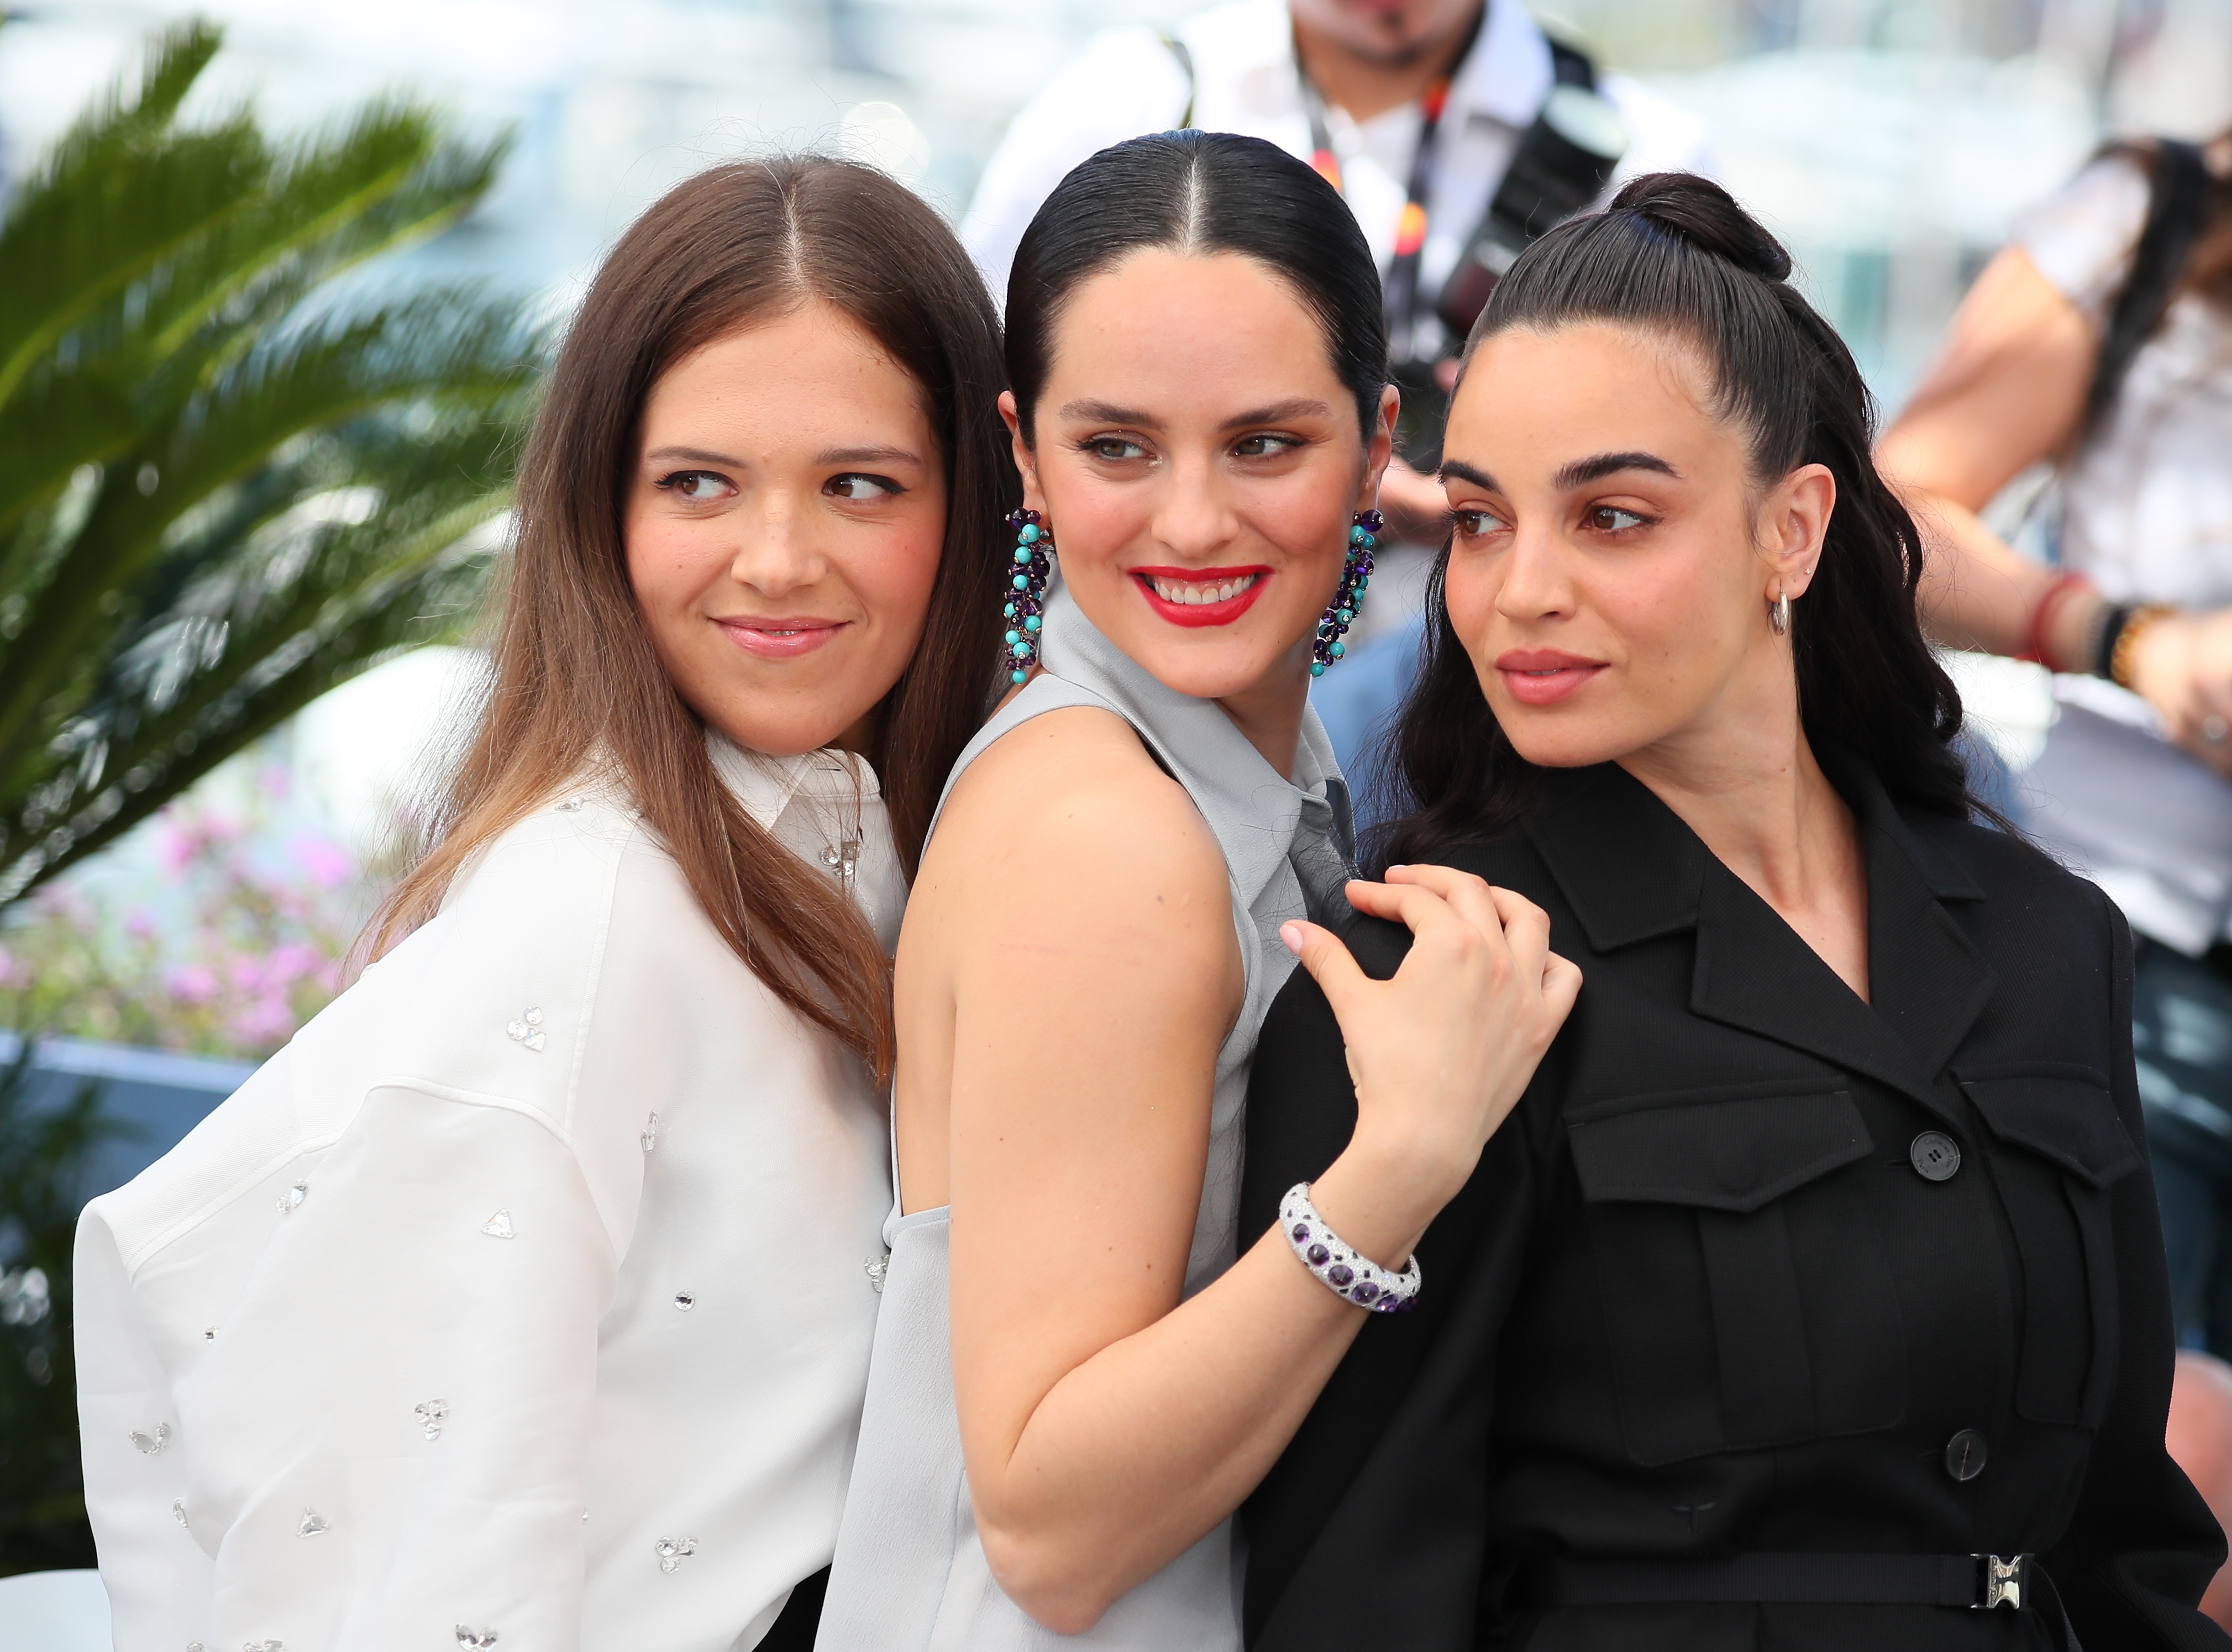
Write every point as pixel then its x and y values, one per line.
pixel 524 1298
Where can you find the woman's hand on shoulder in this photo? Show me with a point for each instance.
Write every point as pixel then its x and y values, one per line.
pixel 1440 1054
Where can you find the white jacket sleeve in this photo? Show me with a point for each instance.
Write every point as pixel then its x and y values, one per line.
pixel 1127 83
pixel 363 1299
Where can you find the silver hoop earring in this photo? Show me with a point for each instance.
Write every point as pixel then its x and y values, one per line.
pixel 1778 614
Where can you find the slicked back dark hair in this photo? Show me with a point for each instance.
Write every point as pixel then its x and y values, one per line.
pixel 1203 192
pixel 1674 255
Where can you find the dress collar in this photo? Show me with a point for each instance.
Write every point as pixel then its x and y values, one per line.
pixel 1254 810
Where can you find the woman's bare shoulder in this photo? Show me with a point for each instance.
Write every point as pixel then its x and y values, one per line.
pixel 1070 810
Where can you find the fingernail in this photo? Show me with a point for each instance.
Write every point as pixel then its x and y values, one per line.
pixel 1292 935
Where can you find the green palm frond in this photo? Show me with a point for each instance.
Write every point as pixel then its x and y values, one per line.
pixel 228 480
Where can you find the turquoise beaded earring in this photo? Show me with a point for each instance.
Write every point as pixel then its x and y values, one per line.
pixel 1355 578
pixel 1027 582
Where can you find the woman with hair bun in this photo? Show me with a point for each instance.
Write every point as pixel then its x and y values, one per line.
pixel 525 1299
pixel 1813 1296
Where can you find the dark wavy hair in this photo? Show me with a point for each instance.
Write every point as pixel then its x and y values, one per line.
pixel 1206 192
pixel 1674 254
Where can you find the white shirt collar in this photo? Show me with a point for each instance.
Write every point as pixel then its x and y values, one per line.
pixel 1508 71
pixel 766 784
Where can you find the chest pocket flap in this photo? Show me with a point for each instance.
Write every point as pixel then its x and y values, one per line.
pixel 1745 1283
pixel 2065 1149
pixel 2063 1112
pixel 1732 1153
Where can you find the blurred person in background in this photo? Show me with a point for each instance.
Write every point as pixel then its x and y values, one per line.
pixel 2100 342
pixel 1416 111
pixel 526 1296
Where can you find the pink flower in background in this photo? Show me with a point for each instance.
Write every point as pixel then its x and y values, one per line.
pixel 326 863
pixel 290 962
pixel 246 942
pixel 192 983
pixel 263 1021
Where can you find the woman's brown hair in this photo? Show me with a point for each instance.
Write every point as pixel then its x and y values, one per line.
pixel 574 684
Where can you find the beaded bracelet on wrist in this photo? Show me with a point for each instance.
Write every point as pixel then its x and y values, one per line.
pixel 1342 1271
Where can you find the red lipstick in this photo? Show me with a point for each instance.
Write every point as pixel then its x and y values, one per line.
pixel 1243 586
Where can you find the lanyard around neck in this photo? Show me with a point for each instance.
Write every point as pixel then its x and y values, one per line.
pixel 1399 290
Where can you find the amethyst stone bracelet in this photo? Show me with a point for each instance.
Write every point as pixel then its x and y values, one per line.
pixel 1347 1275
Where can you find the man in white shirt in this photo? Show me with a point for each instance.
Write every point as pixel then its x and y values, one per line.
pixel 1365 69
pixel 1257 66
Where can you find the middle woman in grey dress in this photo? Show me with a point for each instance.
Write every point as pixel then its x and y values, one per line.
pixel 1124 866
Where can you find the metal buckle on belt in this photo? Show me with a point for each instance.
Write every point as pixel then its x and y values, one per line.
pixel 2002 1582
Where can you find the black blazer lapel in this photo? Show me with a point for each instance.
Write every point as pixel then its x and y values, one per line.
pixel 1927 981
pixel 1754 972
pixel 1632 869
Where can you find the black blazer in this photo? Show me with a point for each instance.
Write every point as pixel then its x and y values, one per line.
pixel 1721 1285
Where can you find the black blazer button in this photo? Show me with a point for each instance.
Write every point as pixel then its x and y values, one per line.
pixel 1965 1455
pixel 1935 1155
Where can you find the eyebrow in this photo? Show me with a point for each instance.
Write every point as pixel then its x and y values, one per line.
pixel 1093 412
pixel 697 455
pixel 831 456
pixel 868 455
pixel 1280 413
pixel 1458 470
pixel 1099 412
pixel 1581 472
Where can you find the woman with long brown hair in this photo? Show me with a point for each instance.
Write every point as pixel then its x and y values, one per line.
pixel 526 1297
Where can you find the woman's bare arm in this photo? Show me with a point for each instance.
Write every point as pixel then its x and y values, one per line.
pixel 1106 1427
pixel 2005 393
pixel 2008 391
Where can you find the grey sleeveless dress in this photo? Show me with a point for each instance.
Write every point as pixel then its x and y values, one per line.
pixel 910 1573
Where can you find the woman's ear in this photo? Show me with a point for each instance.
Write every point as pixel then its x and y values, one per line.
pixel 1792 526
pixel 1027 463
pixel 1380 447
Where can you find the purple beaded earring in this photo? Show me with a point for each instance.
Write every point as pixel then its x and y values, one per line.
pixel 1355 577
pixel 1026 609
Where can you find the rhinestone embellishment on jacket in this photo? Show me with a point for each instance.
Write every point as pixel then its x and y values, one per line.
pixel 650 1136
pixel 151 1444
pixel 431 1414
pixel 844 859
pixel 178 1510
pixel 528 1029
pixel 291 1201
pixel 476 1640
pixel 499 1226
pixel 672 1551
pixel 876 1267
pixel 311 1523
pixel 684 1301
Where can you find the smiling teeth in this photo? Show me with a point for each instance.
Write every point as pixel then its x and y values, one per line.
pixel 1193 593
